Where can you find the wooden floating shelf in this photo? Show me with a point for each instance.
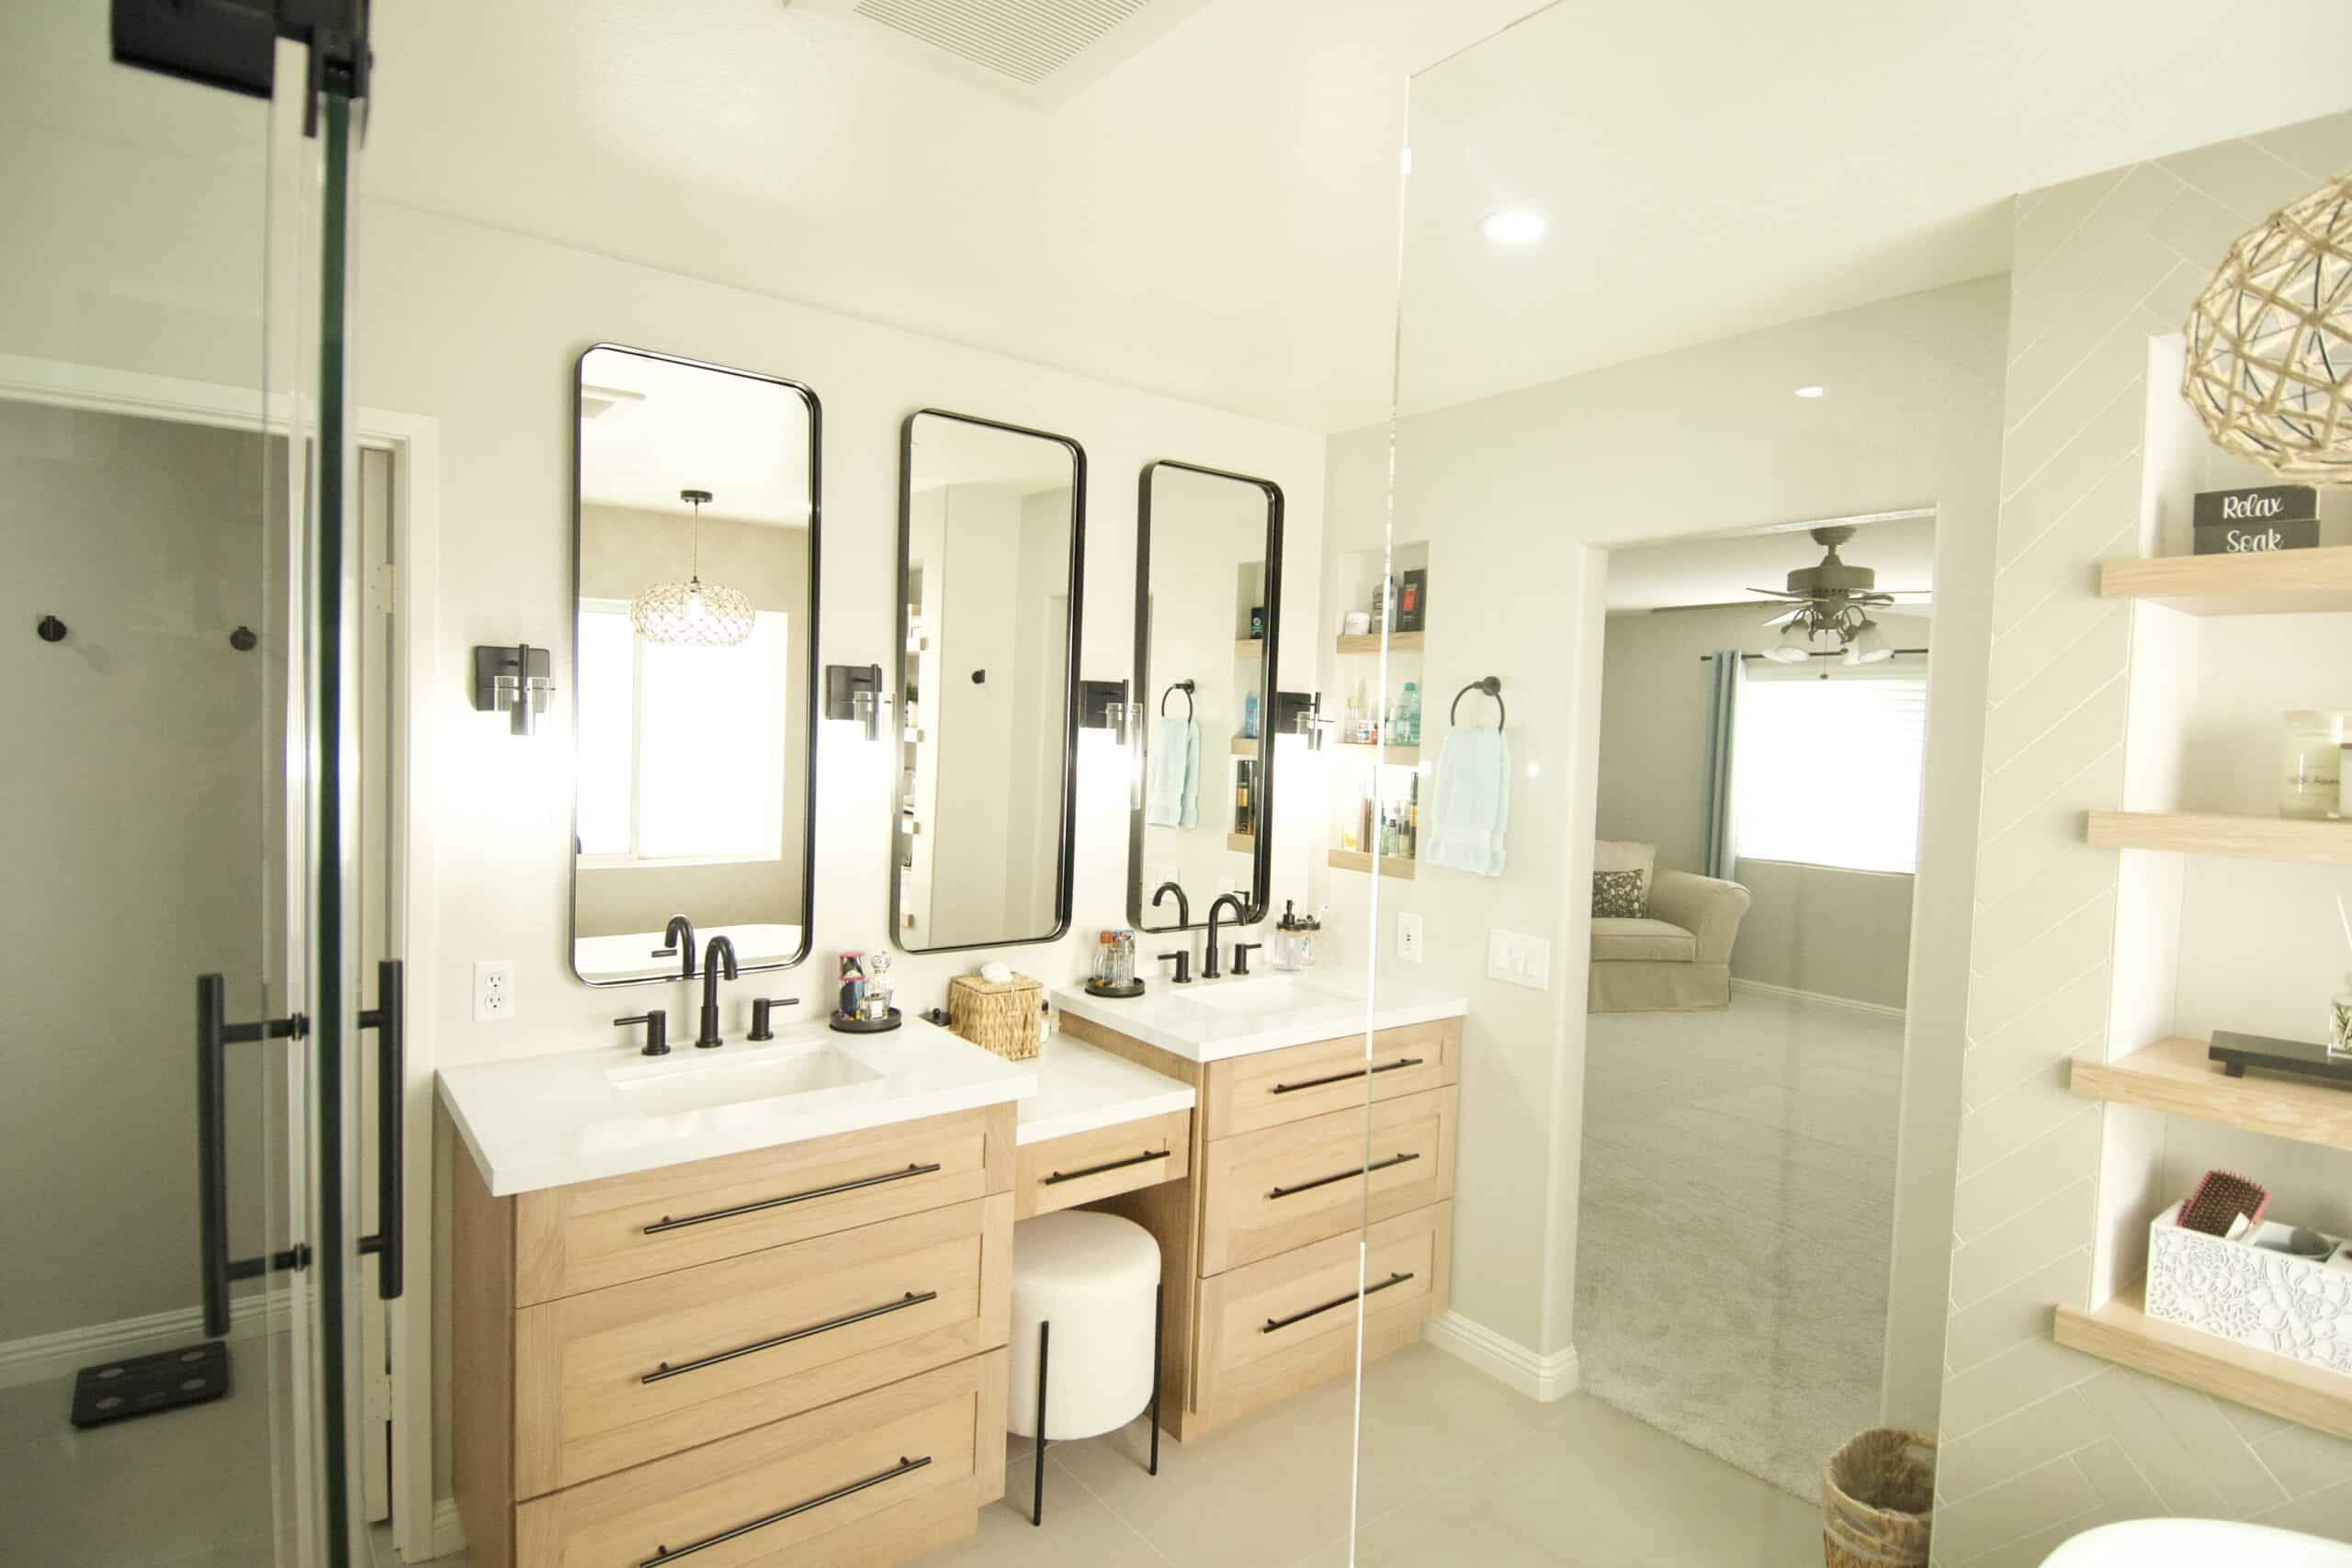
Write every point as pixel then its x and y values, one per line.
pixel 1390 865
pixel 1245 745
pixel 2175 1075
pixel 1246 843
pixel 1369 642
pixel 2122 1331
pixel 1250 648
pixel 2258 582
pixel 1389 756
pixel 2314 841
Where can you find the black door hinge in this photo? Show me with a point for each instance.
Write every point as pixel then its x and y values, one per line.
pixel 233 44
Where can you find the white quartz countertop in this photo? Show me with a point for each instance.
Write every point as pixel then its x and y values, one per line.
pixel 1210 1020
pixel 536 1121
pixel 1083 1088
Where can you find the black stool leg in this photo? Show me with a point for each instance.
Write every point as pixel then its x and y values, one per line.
pixel 1158 1334
pixel 1037 1488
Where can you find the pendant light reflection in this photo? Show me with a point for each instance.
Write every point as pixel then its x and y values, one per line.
pixel 692 614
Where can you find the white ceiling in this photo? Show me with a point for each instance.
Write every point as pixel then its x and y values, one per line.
pixel 1721 569
pixel 1216 217
pixel 743 439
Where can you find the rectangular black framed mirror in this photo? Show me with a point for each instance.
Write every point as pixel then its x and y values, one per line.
pixel 1208 630
pixel 695 530
pixel 992 550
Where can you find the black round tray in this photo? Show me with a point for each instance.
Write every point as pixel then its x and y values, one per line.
pixel 863 1026
pixel 1132 988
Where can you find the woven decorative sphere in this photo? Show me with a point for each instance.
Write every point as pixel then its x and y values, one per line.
pixel 692 615
pixel 2270 342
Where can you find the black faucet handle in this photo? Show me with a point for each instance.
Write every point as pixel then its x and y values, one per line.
pixel 657 1031
pixel 1241 951
pixel 761 1008
pixel 1183 958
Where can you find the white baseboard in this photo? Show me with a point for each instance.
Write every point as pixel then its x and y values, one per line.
pixel 45 1356
pixel 1546 1378
pixel 448 1530
pixel 1765 989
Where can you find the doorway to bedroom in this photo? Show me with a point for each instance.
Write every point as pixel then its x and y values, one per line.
pixel 1763 736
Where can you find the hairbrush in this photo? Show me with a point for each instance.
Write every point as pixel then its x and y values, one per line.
pixel 2218 1202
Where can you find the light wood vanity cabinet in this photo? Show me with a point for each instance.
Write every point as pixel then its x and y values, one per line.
pixel 806 1339
pixel 1259 1238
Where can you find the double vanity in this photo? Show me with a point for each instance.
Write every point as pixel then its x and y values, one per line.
pixel 758 1298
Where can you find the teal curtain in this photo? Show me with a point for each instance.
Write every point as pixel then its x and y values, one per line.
pixel 1727 670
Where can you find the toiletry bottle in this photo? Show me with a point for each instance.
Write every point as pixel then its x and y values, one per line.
pixel 2339 1022
pixel 1250 718
pixel 1409 720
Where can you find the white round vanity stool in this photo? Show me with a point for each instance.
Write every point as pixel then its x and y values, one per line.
pixel 1086 1321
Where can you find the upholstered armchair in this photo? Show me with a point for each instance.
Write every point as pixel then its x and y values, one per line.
pixel 1676 957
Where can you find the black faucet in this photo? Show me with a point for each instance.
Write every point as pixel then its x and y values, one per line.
pixel 670 946
pixel 1184 904
pixel 1209 970
pixel 719 956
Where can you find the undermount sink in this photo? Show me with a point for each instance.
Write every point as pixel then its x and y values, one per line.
pixel 1254 997
pixel 2196 1543
pixel 656 1087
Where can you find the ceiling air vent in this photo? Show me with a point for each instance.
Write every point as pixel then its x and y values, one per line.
pixel 1039 52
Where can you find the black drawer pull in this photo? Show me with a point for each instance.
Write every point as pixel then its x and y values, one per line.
pixel 1391 1161
pixel 1275 1322
pixel 667 1223
pixel 885 1310
pixel 1145 1159
pixel 663 1554
pixel 1342 1078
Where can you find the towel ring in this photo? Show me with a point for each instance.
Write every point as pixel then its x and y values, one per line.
pixel 1490 685
pixel 1183 686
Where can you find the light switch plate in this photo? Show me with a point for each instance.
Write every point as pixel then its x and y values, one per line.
pixel 1519 959
pixel 1408 937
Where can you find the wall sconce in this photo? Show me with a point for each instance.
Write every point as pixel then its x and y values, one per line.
pixel 1102 704
pixel 516 679
pixel 854 692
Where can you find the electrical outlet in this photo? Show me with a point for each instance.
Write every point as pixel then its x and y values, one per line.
pixel 493 990
pixel 1519 959
pixel 1408 937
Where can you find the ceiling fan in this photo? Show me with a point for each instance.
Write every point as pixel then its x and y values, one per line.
pixel 1832 603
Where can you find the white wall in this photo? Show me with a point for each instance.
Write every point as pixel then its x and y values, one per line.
pixel 1517 495
pixel 1809 928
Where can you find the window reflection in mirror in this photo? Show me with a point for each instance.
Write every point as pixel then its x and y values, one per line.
pixel 696 623
pixel 1208 592
pixel 991 537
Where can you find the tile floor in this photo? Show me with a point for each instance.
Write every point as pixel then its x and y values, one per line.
pixel 184 1489
pixel 1458 1469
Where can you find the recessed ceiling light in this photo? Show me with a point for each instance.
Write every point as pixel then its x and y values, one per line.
pixel 1813 391
pixel 1513 226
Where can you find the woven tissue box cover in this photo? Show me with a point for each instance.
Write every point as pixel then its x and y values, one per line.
pixel 2296 1307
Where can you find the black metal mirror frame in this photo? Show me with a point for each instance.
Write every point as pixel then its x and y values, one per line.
pixel 1261 859
pixel 1066 867
pixel 809 698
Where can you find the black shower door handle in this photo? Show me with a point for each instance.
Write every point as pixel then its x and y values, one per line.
pixel 214 1035
pixel 389 1019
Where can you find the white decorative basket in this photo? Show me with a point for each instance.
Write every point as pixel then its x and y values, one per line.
pixel 2297 1307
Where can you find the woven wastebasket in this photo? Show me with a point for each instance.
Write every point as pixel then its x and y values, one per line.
pixel 1877 1494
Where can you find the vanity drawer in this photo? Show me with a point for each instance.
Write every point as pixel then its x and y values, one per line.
pixel 631 1372
pixel 1269 1329
pixel 1272 1191
pixel 1061 1173
pixel 872 1479
pixel 1246 1093
pixel 582 1238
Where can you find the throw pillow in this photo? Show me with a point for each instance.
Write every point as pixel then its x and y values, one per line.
pixel 1617 894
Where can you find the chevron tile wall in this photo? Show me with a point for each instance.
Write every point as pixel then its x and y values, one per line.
pixel 2040 1442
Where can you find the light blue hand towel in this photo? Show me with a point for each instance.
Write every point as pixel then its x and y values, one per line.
pixel 1471 807
pixel 1172 787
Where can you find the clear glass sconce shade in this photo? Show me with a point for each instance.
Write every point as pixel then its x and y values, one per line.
pixel 1867 646
pixel 1795 645
pixel 692 614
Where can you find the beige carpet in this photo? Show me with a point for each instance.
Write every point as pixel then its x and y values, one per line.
pixel 1734 1226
